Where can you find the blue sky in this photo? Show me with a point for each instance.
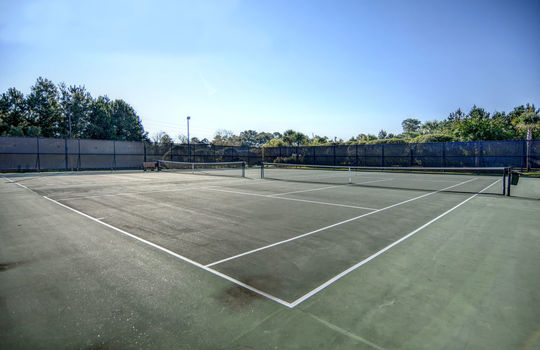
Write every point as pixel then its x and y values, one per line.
pixel 333 68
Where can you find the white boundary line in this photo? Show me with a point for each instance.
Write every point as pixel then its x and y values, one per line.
pixel 354 267
pixel 302 191
pixel 327 187
pixel 289 199
pixel 333 225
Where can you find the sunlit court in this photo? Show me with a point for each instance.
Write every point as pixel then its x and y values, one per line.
pixel 292 236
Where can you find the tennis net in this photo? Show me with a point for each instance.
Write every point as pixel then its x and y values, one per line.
pixel 237 169
pixel 465 180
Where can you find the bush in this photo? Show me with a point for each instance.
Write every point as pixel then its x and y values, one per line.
pixel 432 138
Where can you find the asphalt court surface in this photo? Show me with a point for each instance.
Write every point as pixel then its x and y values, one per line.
pixel 238 226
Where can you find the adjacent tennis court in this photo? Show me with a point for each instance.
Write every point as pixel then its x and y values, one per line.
pixel 289 234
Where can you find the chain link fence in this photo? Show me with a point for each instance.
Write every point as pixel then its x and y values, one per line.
pixel 41 154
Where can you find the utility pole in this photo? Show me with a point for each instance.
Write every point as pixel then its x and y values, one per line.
pixel 188 145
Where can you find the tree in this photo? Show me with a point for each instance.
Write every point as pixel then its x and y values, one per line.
pixel 127 122
pixel 382 134
pixel 291 137
pixel 100 121
pixel 529 120
pixel 319 140
pixel 161 137
pixel 274 143
pixel 75 104
pixel 247 137
pixel 262 138
pixel 13 112
pixel 300 139
pixel 225 138
pixel 182 138
pixel 477 125
pixel 44 109
pixel 288 137
pixel 410 125
pixel 430 127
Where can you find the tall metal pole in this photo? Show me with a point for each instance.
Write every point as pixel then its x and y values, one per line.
pixel 188 145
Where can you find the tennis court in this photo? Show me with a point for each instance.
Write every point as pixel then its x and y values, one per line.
pixel 332 237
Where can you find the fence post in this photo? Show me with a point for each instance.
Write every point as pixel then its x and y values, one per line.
pixel 382 154
pixel 314 155
pixel 364 146
pixel 144 151
pixel 480 151
pixel 524 155
pixel 114 154
pixel 411 161
pixel 79 154
pixel 444 154
pixel 356 153
pixel 38 163
pixel 334 149
pixel 476 155
pixel 66 153
pixel 297 154
pixel 170 151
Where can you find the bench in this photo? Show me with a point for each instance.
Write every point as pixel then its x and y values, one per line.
pixel 149 166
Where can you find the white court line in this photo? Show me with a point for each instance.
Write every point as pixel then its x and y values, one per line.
pixel 153 191
pixel 167 251
pixel 324 188
pixel 129 193
pixel 301 191
pixel 18 184
pixel 333 225
pixel 289 199
pixel 354 267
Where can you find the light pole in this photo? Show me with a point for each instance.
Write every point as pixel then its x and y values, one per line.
pixel 188 145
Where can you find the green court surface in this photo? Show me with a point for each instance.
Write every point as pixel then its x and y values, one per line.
pixel 115 260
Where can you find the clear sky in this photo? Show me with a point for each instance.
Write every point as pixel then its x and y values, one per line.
pixel 333 68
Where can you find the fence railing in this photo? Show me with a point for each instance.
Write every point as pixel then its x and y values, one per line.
pixel 39 154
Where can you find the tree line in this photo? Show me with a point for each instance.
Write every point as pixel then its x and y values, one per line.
pixel 51 110
pixel 523 122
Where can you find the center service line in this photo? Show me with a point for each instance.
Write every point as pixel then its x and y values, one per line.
pixel 334 225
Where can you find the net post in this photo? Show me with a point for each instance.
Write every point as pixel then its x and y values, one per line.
pixel 262 170
pixel 350 176
pixel 504 182
pixel 243 169
pixel 509 181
